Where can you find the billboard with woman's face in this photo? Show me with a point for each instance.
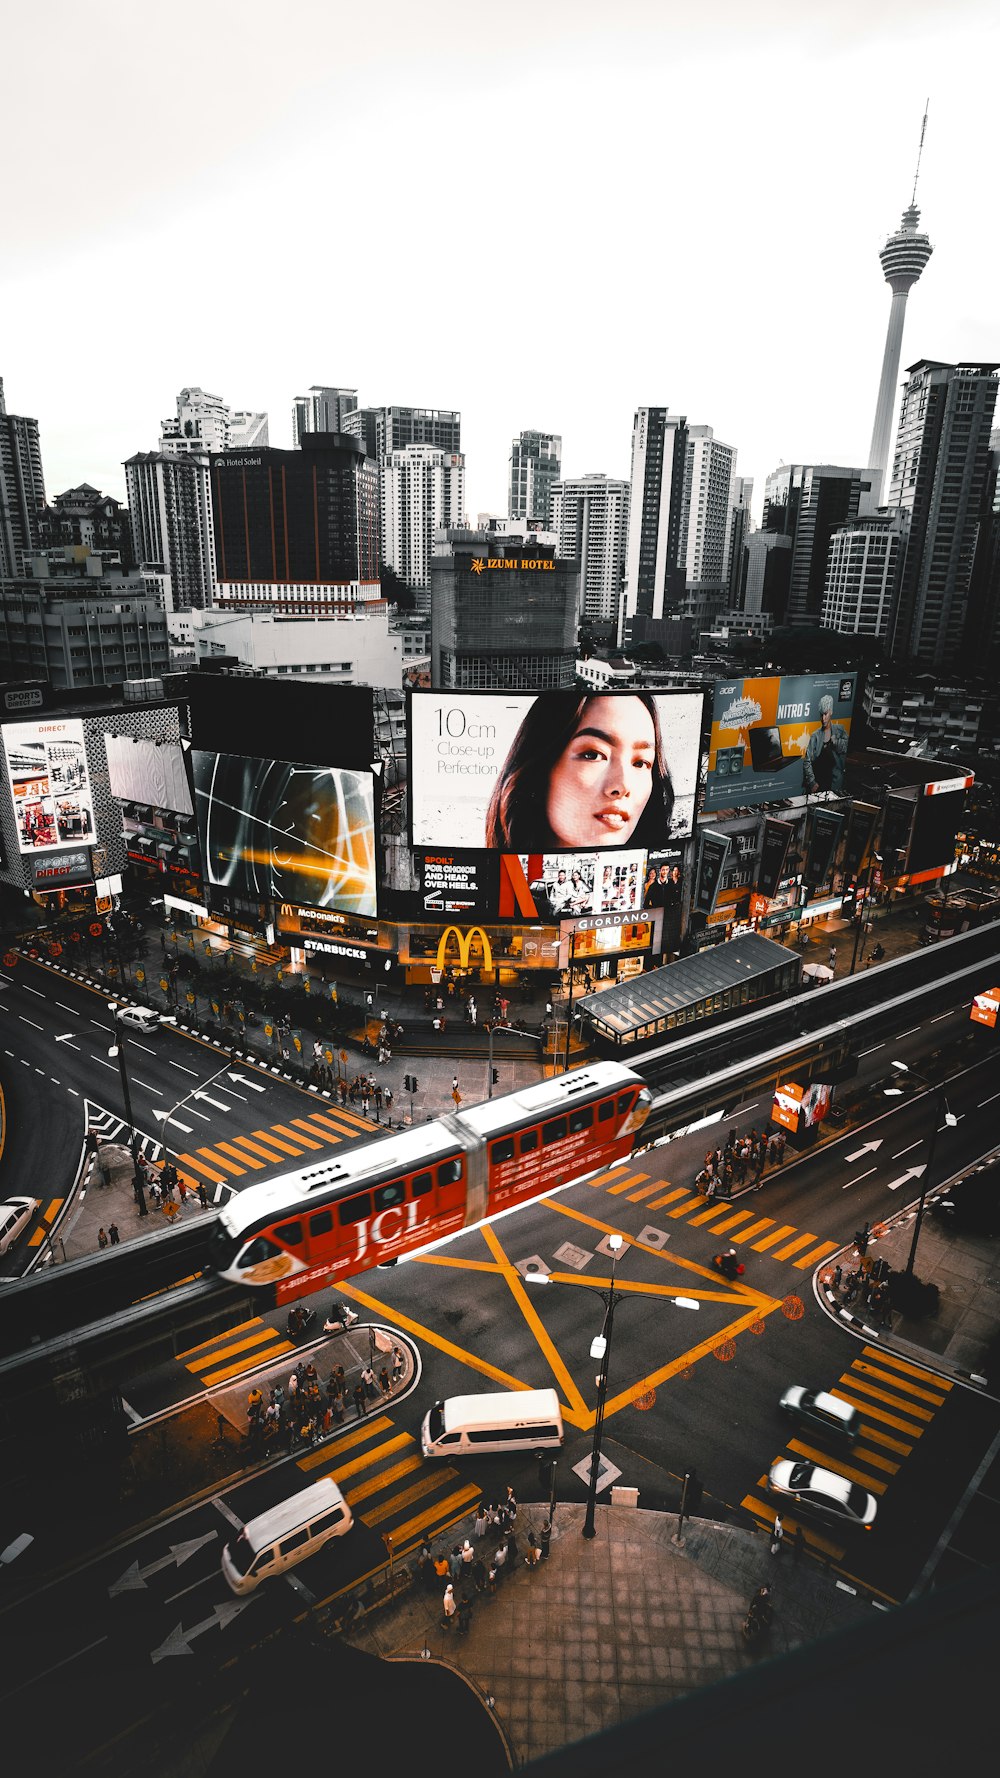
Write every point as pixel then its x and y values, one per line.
pixel 555 771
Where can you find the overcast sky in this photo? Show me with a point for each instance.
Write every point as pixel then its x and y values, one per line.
pixel 544 213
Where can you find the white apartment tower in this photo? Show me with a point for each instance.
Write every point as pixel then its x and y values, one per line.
pixel 170 506
pixel 421 488
pixel 533 469
pixel 708 474
pixel 205 422
pixel 590 519
pixel 322 410
pixel 862 574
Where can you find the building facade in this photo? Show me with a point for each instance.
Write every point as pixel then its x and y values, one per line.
pixel 99 631
pixel 739 530
pixel 205 423
pixel 298 523
pixel 654 570
pixel 22 489
pixel 940 477
pixel 808 502
pixel 422 489
pixel 322 410
pixel 532 471
pixel 590 517
pixel 170 511
pixel 862 574
pixel 503 612
pixel 83 517
pixel 353 647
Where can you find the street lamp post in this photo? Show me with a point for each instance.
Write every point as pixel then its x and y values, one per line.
pixel 940 1103
pixel 569 1002
pixel 165 1117
pixel 118 1049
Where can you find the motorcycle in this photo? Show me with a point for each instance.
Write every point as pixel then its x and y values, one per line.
pixel 728 1264
pixel 758 1618
pixel 299 1320
pixel 340 1318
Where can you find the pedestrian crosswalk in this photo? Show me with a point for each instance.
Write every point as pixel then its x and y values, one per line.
pixel 246 1347
pixel 229 1158
pixel 389 1485
pixel 897 1401
pixel 762 1234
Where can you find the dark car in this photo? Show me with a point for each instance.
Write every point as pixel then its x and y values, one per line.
pixel 973 1203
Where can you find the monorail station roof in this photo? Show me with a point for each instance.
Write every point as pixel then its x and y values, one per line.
pixel 623 1010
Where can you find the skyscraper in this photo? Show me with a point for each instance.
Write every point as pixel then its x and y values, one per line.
pixel 205 422
pixel 533 468
pixel 903 259
pixel 590 517
pixel 862 574
pixel 503 612
pixel 22 489
pixel 940 477
pixel 422 488
pixel 170 508
pixel 322 410
pixel 296 530
pixel 739 530
pixel 808 502
pixel 654 568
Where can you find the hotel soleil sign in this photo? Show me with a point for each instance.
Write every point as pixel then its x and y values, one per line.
pixel 478 564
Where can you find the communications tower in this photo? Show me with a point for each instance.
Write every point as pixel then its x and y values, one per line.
pixel 903 259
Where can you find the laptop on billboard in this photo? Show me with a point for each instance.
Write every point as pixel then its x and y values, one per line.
pixel 765 751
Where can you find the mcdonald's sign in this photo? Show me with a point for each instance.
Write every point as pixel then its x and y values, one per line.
pixel 464 941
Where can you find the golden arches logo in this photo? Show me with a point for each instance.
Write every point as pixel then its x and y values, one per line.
pixel 464 941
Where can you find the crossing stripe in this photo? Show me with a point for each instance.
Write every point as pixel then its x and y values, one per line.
pixel 221 1161
pixel 339 1116
pixel 387 1478
pixel 813 1257
pixel 900 1383
pixel 427 1483
pixel 622 1185
pixel 756 1228
pixel 644 1192
pixel 722 1228
pixel 911 1370
pixel 895 1420
pixel 813 1538
pixel 260 1337
pixel 877 1461
pixel 876 1437
pixel 444 1513
pixel 602 1178
pixel 361 1432
pixel 227 1148
pixel 294 1136
pixel 670 1197
pixel 270 1154
pixel 709 1214
pixel 778 1235
pixel 284 1147
pixel 211 1173
pixel 237 1370
pixel 49 1215
pixel 205 1345
pixel 825 1461
pixel 793 1246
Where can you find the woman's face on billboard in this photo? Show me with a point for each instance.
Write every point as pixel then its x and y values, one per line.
pixel 601 782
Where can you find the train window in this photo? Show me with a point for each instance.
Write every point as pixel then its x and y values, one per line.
pixel 421 1184
pixel 502 1150
pixel 553 1131
pixel 605 1111
pixel 624 1102
pixel 528 1141
pixel 258 1251
pixel 290 1233
pixel 321 1223
pixel 449 1172
pixel 394 1192
pixel 580 1119
pixel 355 1209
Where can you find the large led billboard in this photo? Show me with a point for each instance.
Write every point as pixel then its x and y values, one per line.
pixel 270 830
pixel 148 772
pixel 546 886
pixel 50 784
pixel 939 812
pixel 776 738
pixel 557 771
pixel 319 724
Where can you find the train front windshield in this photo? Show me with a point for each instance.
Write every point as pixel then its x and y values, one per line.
pixel 222 1247
pixel 639 1112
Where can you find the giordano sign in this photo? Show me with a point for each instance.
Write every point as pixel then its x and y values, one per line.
pixel 464 941
pixel 480 564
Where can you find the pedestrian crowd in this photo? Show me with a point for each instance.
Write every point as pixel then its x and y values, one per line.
pixel 303 1410
pixel 866 1284
pixel 743 1157
pixel 468 1572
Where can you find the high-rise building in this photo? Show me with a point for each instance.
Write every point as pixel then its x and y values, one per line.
pixel 764 574
pixel 503 612
pixel 903 259
pixel 654 567
pixel 170 509
pixel 808 502
pixel 708 472
pixel 590 518
pixel 739 531
pixel 322 410
pixel 204 423
pixel 22 489
pixel 940 478
pixel 533 469
pixel 385 429
pixel 77 623
pixel 862 574
pixel 296 530
pixel 422 489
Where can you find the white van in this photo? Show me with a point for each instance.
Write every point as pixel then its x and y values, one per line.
pixel 512 1420
pixel 286 1534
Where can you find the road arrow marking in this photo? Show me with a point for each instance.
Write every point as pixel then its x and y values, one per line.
pixel 187 1128
pixel 868 1148
pixel 254 1085
pixel 179 1641
pixel 134 1579
pixel 858 1178
pixel 911 1173
pixel 210 1101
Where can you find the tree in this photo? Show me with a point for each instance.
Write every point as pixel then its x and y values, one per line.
pixel 396 590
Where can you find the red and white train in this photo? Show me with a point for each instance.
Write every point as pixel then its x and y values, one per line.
pixel 321 1224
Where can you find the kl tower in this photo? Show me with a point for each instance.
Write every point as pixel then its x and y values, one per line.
pixel 903 259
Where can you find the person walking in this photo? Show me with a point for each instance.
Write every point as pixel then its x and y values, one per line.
pixel 831 957
pixel 360 1404
pixel 468 1556
pixel 113 1235
pixel 534 1552
pixel 479 1527
pixel 455 1563
pixel 368 1379
pixel 500 1560
pixel 397 1365
pixel 464 1614
pixel 441 1569
pixel 384 1382
pixel 479 1575
pixel 449 1607
pixel 545 1539
pixel 777 1533
pixel 102 1239
pixel 202 1195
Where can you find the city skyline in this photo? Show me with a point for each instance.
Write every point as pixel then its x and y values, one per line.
pixel 748 179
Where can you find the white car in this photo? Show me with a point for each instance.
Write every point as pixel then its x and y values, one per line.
pixel 15 1215
pixel 823 1492
pixel 138 1018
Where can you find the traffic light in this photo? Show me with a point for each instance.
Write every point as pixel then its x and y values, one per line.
pixel 409 1083
pixel 496 1075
